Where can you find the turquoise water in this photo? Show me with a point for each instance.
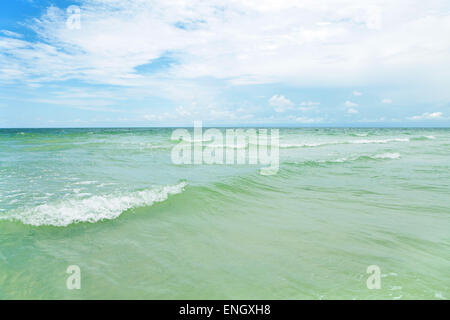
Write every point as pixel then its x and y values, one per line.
pixel 112 202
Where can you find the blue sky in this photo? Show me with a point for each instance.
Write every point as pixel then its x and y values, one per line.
pixel 248 62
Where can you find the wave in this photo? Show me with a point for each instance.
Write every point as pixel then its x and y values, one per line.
pixel 388 155
pixel 191 140
pixel 423 138
pixel 361 141
pixel 359 134
pixel 380 140
pixel 85 182
pixel 302 145
pixel 312 163
pixel 211 144
pixel 93 209
pixel 247 144
pixel 380 156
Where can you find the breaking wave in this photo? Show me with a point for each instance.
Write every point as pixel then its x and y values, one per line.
pixel 93 209
pixel 325 143
pixel 381 156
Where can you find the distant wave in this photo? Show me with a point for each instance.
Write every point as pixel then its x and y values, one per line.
pixel 379 140
pixel 213 144
pixel 314 144
pixel 302 145
pixel 388 155
pixel 190 140
pixel 93 209
pixel 325 143
pixel 359 134
pixel 423 138
pixel 381 156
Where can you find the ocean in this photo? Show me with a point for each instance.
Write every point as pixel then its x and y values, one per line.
pixel 138 226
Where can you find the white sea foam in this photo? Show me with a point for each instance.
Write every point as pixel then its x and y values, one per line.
pixel 301 145
pixel 394 155
pixel 359 141
pixel 335 160
pixel 310 144
pixel 85 182
pixel 381 156
pixel 105 184
pixel 388 155
pixel 340 160
pixel 379 140
pixel 91 209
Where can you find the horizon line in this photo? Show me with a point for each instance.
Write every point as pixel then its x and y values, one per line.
pixel 236 126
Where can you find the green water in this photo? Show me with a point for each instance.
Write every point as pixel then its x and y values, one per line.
pixel 112 202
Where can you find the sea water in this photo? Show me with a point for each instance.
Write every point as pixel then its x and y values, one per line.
pixel 113 203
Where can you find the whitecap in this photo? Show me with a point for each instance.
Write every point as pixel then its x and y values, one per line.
pixel 382 156
pixel 105 184
pixel 193 140
pixel 301 145
pixel 339 160
pixel 93 209
pixel 85 182
pixel 360 141
pixel 380 140
pixel 394 155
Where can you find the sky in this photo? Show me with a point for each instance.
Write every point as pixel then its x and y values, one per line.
pixel 124 63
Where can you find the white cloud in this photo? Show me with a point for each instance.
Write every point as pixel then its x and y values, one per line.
pixel 428 116
pixel 242 42
pixel 216 44
pixel 11 34
pixel 281 103
pixel 350 104
pixel 308 106
pixel 387 101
